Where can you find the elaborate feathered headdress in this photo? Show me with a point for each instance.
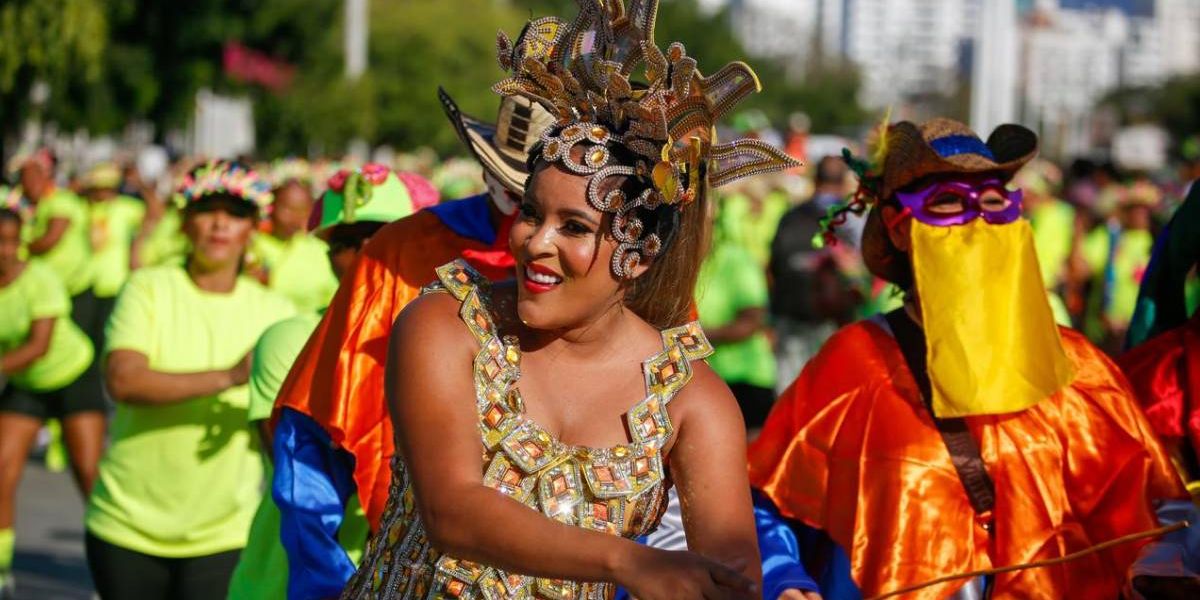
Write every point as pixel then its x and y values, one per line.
pixel 583 72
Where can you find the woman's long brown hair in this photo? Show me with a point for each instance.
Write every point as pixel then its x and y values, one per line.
pixel 665 294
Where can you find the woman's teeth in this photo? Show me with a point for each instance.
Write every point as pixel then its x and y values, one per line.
pixel 541 278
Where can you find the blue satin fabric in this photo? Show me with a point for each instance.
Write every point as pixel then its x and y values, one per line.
pixel 470 218
pixel 953 145
pixel 313 481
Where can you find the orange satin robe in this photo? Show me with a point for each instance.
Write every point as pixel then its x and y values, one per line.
pixel 851 449
pixel 338 378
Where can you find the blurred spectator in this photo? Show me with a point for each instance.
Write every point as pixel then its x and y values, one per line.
pixel 287 259
pixel 751 215
pixel 59 234
pixel 46 371
pixel 115 221
pixel 181 479
pixel 732 302
pixel 1115 255
pixel 1053 223
pixel 810 296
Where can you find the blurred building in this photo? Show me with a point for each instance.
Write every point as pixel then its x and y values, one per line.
pixel 1066 54
pixel 1073 53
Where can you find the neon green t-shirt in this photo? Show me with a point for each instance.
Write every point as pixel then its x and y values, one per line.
pixel 71 257
pixel 262 571
pixel 37 294
pixel 165 244
pixel 1129 262
pixel 115 223
pixel 1053 226
pixel 298 269
pixel 731 280
pixel 184 479
pixel 754 229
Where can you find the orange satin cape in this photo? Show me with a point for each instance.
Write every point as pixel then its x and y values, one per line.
pixel 338 378
pixel 1165 373
pixel 851 449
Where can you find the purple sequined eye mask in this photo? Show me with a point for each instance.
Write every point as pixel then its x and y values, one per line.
pixel 964 206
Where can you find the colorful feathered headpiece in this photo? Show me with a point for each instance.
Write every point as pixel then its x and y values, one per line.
pixel 225 177
pixel 583 72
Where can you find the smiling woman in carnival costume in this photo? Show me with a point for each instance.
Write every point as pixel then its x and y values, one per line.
pixel 965 432
pixel 581 381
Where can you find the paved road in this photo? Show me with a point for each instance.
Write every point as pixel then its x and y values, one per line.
pixel 49 562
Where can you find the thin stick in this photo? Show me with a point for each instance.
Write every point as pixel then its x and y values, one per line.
pixel 1040 563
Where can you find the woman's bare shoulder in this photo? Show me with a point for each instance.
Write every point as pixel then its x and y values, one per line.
pixel 431 324
pixel 706 399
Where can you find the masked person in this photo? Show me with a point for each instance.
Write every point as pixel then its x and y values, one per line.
pixel 331 425
pixel 355 205
pixel 1163 364
pixel 965 431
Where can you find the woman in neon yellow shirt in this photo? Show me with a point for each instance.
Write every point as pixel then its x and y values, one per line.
pixel 45 372
pixel 180 482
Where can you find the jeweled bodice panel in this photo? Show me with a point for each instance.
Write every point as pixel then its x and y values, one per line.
pixel 620 490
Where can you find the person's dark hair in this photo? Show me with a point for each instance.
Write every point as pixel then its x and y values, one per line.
pixel 881 256
pixel 831 170
pixel 351 235
pixel 8 215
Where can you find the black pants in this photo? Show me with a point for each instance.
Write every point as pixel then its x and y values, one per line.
pixel 755 402
pixel 123 574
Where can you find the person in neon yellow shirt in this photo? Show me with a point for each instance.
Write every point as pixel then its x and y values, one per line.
pixel 292 262
pixel 263 571
pixel 58 234
pixel 180 481
pixel 46 371
pixel 115 222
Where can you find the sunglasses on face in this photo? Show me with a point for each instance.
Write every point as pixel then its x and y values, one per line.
pixel 949 203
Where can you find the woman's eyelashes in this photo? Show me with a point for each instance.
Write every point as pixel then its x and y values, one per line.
pixel 576 228
pixel 570 226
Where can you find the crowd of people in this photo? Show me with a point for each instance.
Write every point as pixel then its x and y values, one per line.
pixel 259 370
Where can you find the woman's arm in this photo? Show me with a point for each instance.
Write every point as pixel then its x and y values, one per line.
pixel 131 380
pixel 708 463
pixel 432 402
pixel 18 359
pixel 54 232
pixel 748 322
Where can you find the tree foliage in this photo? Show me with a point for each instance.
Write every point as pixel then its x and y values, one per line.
pixel 149 57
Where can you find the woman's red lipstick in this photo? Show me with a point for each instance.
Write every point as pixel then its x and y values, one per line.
pixel 539 279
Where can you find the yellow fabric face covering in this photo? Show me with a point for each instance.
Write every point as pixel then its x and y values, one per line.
pixel 993 346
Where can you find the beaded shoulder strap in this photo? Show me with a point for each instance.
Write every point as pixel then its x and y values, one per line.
pixel 666 373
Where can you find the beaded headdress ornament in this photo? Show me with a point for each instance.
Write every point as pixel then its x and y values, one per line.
pixel 224 177
pixel 583 73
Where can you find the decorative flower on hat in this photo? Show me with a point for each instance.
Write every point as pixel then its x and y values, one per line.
pixel 224 177
pixel 582 72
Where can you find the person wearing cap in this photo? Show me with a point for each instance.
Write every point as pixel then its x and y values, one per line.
pixel 180 481
pixel 965 432
pixel 115 222
pixel 58 233
pixel 46 372
pixel 1116 254
pixel 345 223
pixel 291 262
pixel 336 382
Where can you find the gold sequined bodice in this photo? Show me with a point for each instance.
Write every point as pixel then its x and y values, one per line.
pixel 619 490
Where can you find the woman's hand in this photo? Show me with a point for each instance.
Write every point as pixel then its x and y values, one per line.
pixel 652 574
pixel 239 374
pixel 794 594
